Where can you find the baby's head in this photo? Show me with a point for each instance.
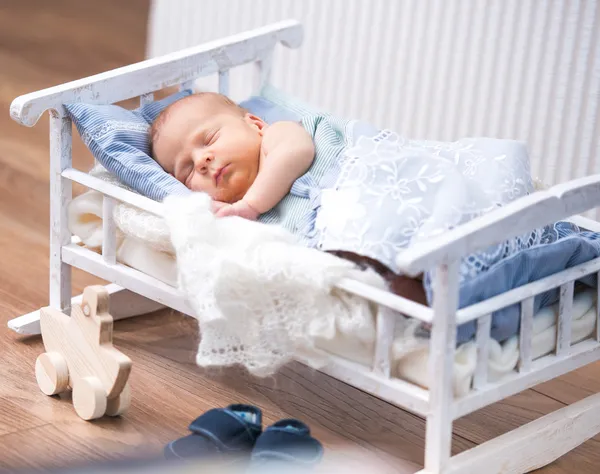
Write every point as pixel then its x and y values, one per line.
pixel 210 144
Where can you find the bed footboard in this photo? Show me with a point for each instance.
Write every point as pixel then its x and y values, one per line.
pixel 137 80
pixel 443 253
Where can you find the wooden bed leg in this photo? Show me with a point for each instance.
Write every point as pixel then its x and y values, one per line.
pixel 60 197
pixel 123 304
pixel 438 439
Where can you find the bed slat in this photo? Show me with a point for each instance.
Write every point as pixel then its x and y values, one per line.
pixel 386 298
pixel 224 82
pixel 565 313
pixel 60 197
pixel 526 334
pixel 262 72
pixel 484 325
pixel 542 369
pixel 386 327
pixel 116 192
pixel 127 277
pixel 493 304
pixel 109 231
pixel 187 85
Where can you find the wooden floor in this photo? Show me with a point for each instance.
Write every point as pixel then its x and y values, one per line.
pixel 43 43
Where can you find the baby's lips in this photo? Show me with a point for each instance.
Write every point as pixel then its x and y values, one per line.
pixel 219 173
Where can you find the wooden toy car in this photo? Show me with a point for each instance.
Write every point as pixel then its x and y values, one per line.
pixel 80 356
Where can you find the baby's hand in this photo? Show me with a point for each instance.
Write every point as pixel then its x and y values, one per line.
pixel 217 205
pixel 240 208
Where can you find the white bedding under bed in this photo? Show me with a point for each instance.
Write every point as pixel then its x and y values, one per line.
pixel 559 339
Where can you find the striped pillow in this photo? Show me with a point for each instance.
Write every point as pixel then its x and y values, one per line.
pixel 118 139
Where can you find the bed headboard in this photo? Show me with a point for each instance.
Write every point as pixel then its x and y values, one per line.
pixel 178 68
pixel 136 80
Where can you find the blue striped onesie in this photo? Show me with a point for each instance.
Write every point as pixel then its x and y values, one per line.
pixel 297 211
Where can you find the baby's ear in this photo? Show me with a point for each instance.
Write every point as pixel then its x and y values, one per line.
pixel 255 121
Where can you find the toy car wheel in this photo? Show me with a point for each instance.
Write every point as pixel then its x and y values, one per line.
pixel 89 398
pixel 52 373
pixel 118 405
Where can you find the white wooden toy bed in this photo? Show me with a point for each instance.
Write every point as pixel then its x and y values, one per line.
pixel 133 292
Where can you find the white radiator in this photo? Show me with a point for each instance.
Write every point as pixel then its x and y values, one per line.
pixel 438 69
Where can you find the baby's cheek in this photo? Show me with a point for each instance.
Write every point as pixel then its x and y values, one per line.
pixel 222 194
pixel 199 184
pixel 239 186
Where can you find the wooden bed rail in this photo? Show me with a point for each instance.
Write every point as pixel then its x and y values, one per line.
pixel 115 192
pixel 516 218
pixel 154 74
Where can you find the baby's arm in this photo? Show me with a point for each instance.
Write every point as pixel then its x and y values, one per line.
pixel 287 153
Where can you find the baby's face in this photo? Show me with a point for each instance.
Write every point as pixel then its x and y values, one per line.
pixel 210 148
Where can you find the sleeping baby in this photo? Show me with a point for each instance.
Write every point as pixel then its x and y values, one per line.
pixel 363 195
pixel 214 146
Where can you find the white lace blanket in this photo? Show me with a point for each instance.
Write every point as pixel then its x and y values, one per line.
pixel 425 188
pixel 261 299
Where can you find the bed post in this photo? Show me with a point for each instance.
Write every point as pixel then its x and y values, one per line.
pixel 60 197
pixel 438 441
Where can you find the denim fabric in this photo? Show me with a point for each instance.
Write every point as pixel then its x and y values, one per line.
pixel 563 245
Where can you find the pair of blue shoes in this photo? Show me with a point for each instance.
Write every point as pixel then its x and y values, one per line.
pixel 235 434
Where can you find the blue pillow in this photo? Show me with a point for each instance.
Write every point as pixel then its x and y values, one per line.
pixel 563 246
pixel 118 139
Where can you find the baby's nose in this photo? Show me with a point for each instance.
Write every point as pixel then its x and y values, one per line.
pixel 202 159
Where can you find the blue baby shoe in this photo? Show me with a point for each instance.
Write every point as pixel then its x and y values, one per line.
pixel 219 434
pixel 286 444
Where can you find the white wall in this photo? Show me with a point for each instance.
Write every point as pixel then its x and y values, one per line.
pixel 439 69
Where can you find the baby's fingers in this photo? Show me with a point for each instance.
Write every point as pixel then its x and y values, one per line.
pixel 218 205
pixel 227 210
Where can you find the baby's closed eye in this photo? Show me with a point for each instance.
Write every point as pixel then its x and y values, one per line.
pixel 211 137
pixel 190 175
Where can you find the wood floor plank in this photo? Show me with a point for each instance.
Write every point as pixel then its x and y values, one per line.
pixel 338 412
pixel 14 419
pixel 574 386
